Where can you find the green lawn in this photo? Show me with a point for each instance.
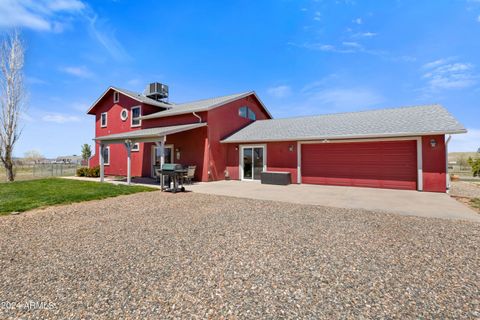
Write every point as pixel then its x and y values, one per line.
pixel 25 195
pixel 475 202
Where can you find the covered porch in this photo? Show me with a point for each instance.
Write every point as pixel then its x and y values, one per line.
pixel 156 136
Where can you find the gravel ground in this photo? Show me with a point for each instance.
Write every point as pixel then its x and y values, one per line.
pixel 154 255
pixel 465 189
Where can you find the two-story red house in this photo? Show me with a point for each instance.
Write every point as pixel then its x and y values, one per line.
pixel 235 137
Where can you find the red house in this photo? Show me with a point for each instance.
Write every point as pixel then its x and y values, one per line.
pixel 235 137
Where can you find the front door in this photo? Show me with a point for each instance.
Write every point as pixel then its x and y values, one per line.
pixel 252 162
pixel 156 156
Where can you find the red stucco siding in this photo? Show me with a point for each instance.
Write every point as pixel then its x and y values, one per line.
pixel 434 164
pixel 279 158
pixel 223 122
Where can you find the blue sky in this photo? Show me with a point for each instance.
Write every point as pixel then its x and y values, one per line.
pixel 301 57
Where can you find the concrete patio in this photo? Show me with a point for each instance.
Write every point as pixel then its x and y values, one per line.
pixel 411 203
pixel 404 202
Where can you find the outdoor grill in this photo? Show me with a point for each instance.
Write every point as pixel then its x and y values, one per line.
pixel 174 172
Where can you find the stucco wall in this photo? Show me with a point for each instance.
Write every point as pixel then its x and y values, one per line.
pixel 434 164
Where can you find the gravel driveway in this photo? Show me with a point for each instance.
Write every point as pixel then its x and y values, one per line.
pixel 465 189
pixel 155 255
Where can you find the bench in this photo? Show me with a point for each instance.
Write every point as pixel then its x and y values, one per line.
pixel 276 177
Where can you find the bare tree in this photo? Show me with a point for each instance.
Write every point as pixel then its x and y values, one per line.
pixel 33 156
pixel 12 98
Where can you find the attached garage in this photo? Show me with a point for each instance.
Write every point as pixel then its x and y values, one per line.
pixel 399 148
pixel 384 164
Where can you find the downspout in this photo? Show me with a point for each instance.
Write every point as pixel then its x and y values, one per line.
pixel 199 118
pixel 446 163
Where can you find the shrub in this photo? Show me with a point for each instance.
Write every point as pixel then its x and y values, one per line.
pixel 475 164
pixel 82 172
pixel 94 172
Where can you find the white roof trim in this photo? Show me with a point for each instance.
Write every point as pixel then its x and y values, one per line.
pixel 201 109
pixel 124 93
pixel 142 134
pixel 352 137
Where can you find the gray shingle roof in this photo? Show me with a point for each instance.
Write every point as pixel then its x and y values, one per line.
pixel 405 121
pixel 150 133
pixel 198 106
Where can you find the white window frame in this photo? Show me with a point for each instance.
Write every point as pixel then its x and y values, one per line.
pixel 240 158
pixel 131 117
pixel 109 155
pixel 135 147
pixel 106 119
pixel 116 97
pixel 126 115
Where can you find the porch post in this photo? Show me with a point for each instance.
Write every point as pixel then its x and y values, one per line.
pixel 102 162
pixel 128 145
pixel 161 150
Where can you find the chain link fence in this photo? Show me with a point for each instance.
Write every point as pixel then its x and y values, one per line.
pixel 42 170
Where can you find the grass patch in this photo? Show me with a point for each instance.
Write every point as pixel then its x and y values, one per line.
pixel 475 202
pixel 26 195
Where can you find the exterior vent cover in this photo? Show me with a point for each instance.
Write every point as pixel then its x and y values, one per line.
pixel 157 91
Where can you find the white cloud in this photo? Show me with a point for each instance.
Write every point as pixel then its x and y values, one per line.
pixel 352 44
pixel 60 118
pixel 40 15
pixel 448 74
pixel 317 16
pixel 281 91
pixel 469 142
pixel 358 21
pixel 366 34
pixel 478 18
pixel 341 99
pixel 105 35
pixel 81 72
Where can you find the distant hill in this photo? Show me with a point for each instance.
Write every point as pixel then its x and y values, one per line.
pixel 458 156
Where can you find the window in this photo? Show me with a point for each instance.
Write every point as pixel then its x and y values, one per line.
pixel 124 114
pixel 106 155
pixel 103 120
pixel 246 112
pixel 116 97
pixel 242 112
pixel 136 113
pixel 251 115
pixel 136 147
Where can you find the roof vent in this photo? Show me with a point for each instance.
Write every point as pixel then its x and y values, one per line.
pixel 157 91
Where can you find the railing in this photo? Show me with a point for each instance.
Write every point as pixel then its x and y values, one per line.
pixel 39 170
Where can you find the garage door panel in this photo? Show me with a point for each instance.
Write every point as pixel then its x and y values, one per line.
pixel 387 164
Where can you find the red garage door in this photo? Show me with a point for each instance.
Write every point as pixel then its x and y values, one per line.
pixel 387 164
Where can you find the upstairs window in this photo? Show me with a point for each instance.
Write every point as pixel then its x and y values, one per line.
pixel 246 112
pixel 103 120
pixel 116 97
pixel 136 113
pixel 251 115
pixel 242 112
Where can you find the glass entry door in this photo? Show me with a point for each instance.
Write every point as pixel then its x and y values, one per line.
pixel 253 162
pixel 156 157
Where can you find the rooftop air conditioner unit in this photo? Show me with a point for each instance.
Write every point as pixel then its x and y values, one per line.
pixel 157 91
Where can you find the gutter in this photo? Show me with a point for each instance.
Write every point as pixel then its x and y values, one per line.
pixel 365 136
pixel 196 115
pixel 448 182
